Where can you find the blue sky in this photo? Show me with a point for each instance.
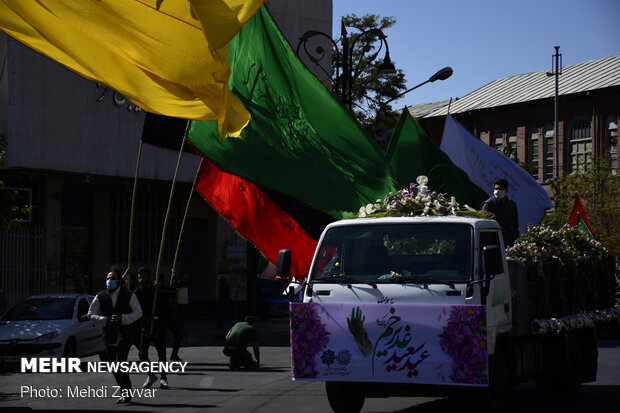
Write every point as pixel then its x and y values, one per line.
pixel 484 40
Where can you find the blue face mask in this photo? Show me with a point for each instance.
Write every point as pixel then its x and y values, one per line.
pixel 111 284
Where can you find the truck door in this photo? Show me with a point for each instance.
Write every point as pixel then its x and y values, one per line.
pixel 498 300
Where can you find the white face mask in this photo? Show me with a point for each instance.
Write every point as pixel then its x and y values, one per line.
pixel 499 193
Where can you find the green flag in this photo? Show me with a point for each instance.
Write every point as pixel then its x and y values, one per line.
pixel 412 153
pixel 301 141
pixel 582 226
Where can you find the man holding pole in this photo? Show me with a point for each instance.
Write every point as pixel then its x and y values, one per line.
pixel 118 308
pixel 153 324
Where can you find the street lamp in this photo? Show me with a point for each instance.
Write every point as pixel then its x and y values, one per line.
pixel 441 74
pixel 346 76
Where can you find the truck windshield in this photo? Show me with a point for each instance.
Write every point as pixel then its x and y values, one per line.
pixel 417 252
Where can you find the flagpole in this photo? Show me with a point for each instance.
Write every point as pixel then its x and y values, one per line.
pixel 131 216
pixel 163 232
pixel 189 199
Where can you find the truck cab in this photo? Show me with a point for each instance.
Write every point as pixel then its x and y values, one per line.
pixel 423 260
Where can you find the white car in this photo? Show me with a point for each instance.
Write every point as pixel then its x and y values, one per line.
pixel 51 325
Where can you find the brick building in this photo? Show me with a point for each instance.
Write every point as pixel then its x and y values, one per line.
pixel 516 115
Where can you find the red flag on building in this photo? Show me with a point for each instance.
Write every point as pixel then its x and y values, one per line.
pixel 578 217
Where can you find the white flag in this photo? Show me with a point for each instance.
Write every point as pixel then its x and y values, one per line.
pixel 484 165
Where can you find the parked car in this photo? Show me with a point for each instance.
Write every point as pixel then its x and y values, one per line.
pixel 272 300
pixel 52 325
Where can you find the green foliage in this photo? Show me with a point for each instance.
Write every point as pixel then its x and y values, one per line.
pixel 368 89
pixel 9 210
pixel 600 191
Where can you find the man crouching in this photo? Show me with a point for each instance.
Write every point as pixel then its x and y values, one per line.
pixel 239 338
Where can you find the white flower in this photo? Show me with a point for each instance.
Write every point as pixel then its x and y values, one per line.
pixel 362 212
pixel 422 180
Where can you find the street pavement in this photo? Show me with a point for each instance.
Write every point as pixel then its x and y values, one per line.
pixel 209 385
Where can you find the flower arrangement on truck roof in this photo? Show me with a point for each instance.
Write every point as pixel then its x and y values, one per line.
pixel 417 199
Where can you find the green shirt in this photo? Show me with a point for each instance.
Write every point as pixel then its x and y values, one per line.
pixel 242 335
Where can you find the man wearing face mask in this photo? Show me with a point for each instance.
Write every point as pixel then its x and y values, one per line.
pixel 118 308
pixel 505 211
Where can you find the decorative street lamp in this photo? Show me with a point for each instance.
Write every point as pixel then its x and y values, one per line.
pixel 556 70
pixel 382 134
pixel 346 74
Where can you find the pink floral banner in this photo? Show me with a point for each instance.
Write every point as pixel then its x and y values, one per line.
pixel 401 343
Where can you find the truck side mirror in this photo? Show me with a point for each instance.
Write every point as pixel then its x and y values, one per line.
pixel 492 262
pixel 283 266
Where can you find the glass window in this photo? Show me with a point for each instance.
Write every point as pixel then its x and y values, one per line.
pixel 498 141
pixel 533 151
pixel 83 307
pixel 150 212
pixel 612 144
pixel 580 144
pixel 41 309
pixel 549 151
pixel 510 150
pixel 388 251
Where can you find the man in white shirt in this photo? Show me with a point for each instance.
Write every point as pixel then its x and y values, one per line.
pixel 118 308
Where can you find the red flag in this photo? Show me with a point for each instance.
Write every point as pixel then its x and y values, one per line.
pixel 255 216
pixel 578 217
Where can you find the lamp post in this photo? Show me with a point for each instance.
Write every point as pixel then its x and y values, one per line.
pixel 556 70
pixel 346 74
pixel 441 74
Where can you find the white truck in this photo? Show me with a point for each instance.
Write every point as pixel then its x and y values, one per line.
pixel 420 306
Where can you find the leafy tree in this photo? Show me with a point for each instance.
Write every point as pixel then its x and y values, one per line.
pixel 369 90
pixel 600 191
pixel 10 212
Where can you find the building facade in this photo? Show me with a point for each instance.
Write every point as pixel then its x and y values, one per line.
pixel 517 116
pixel 72 154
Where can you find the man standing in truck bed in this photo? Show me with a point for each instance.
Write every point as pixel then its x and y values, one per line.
pixel 239 338
pixel 505 211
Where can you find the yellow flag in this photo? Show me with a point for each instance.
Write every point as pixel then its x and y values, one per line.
pixel 167 56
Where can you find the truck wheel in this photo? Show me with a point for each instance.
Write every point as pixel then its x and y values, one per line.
pixel 575 366
pixel 494 397
pixel 589 355
pixel 562 366
pixel 344 397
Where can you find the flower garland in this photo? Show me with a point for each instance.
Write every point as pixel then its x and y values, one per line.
pixel 464 339
pixel 308 338
pixel 417 199
pixel 542 242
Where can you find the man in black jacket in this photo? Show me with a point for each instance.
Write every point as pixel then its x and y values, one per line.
pixel 505 211
pixel 118 308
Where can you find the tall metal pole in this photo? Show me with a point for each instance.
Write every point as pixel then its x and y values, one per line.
pixel 132 215
pixel 556 70
pixel 346 67
pixel 163 232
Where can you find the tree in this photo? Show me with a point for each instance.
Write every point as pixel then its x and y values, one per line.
pixel 368 89
pixel 600 191
pixel 10 212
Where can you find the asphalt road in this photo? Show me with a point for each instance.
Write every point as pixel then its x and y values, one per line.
pixel 209 385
